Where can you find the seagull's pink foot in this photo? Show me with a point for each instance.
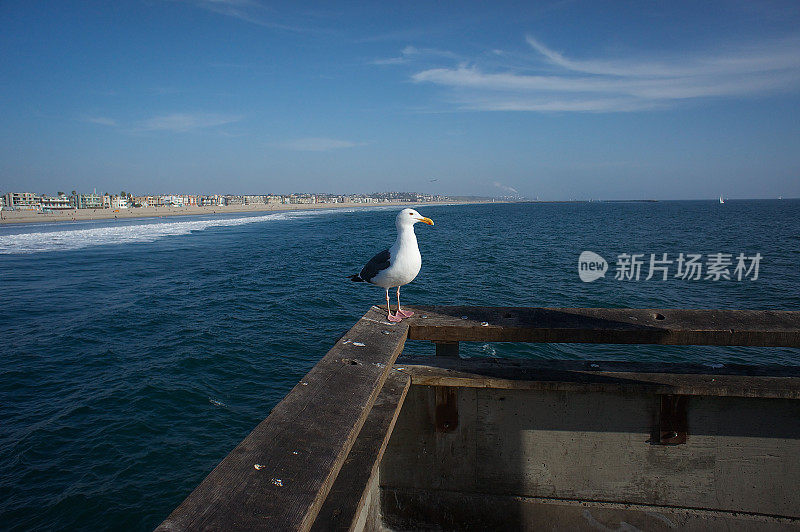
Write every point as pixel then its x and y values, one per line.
pixel 394 319
pixel 405 313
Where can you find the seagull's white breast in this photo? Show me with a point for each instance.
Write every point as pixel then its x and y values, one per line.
pixel 405 260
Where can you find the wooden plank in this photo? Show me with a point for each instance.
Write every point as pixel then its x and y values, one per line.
pixel 773 382
pixel 346 499
pixel 614 326
pixel 301 446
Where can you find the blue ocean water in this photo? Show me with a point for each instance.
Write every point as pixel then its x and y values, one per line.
pixel 137 353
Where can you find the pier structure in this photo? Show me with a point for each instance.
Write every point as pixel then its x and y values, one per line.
pixel 369 442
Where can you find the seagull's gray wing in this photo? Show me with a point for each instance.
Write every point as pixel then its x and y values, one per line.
pixel 375 265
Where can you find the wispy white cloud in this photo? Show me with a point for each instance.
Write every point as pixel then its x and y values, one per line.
pixel 245 10
pixel 411 53
pixel 414 51
pixel 184 122
pixel 742 60
pixel 318 144
pixel 560 83
pixel 173 122
pixel 101 120
pixel 398 60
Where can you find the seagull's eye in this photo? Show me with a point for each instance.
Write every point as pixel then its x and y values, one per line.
pixel 411 214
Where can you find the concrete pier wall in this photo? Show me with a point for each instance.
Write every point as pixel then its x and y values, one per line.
pixel 528 458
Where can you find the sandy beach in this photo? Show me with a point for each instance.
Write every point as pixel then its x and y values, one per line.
pixel 9 217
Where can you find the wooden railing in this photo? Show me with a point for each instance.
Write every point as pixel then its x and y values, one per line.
pixel 607 326
pixel 285 475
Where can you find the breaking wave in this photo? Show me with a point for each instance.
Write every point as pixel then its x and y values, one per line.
pixel 44 239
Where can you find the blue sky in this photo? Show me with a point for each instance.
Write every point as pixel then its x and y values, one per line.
pixel 556 100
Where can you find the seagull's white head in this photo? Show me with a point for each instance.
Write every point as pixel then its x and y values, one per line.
pixel 408 217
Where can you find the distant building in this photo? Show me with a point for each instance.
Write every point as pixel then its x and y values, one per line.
pixel 274 200
pixel 254 200
pixel 23 201
pixel 234 200
pixel 58 203
pixel 179 200
pixel 327 198
pixel 301 199
pixel 147 201
pixel 174 200
pixel 89 201
pixel 2 202
pixel 119 202
pixel 211 201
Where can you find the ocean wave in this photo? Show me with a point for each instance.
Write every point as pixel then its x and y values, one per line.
pixel 43 239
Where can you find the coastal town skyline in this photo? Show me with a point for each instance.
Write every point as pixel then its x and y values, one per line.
pixel 62 201
pixel 29 201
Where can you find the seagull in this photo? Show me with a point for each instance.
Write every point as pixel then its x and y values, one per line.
pixel 398 265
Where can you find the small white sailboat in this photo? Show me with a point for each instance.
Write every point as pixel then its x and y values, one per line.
pixel 721 200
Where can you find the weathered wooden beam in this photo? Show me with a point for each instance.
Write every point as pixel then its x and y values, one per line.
pixel 346 500
pixel 279 476
pixel 602 325
pixel 773 382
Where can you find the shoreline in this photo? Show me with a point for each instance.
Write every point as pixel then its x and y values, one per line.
pixel 70 215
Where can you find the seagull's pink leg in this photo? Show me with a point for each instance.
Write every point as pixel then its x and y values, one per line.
pixel 403 313
pixel 391 318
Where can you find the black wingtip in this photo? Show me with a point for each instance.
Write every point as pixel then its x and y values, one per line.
pixel 356 279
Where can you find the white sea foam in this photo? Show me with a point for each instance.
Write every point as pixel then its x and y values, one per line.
pixel 489 350
pixel 42 238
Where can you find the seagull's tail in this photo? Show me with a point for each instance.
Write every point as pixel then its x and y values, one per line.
pixel 356 279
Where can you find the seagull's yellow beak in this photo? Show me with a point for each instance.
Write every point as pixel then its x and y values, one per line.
pixel 425 220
